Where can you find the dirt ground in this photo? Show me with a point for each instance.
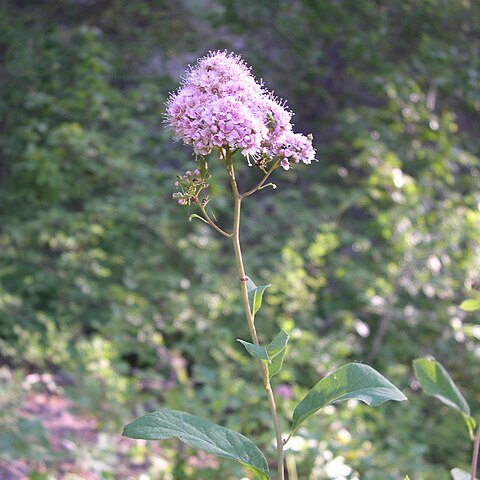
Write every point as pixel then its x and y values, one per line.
pixel 70 438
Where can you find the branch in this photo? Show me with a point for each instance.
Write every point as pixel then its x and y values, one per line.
pixel 211 222
pixel 260 184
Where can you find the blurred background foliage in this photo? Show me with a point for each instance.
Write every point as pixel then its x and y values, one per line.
pixel 105 285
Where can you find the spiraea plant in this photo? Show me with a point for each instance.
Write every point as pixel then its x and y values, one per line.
pixel 227 117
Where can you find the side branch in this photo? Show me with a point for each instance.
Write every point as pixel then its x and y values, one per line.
pixel 261 184
pixel 211 222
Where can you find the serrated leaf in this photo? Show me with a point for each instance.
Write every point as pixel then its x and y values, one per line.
pixel 470 305
pixel 352 381
pixel 458 474
pixel 276 351
pixel 256 351
pixel 202 434
pixel 255 295
pixel 436 381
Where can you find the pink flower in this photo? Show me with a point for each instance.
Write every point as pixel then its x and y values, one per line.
pixel 221 105
pixel 285 391
pixel 293 148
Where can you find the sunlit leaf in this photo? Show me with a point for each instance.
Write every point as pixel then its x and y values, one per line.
pixel 458 474
pixel 470 305
pixel 255 295
pixel 202 434
pixel 352 381
pixel 436 381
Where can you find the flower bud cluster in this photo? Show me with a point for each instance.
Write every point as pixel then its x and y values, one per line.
pixel 221 105
pixel 190 186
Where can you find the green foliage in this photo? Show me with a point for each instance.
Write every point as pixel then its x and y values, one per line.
pixel 436 381
pixel 255 295
pixel 256 351
pixel 470 305
pixel 353 381
pixel 273 353
pixel 202 434
pixel 20 437
pixel 276 350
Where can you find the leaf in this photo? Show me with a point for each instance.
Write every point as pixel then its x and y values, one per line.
pixel 202 434
pixel 278 344
pixel 406 478
pixel 194 215
pixel 352 381
pixel 470 305
pixel 436 381
pixel 273 353
pixel 276 352
pixel 255 294
pixel 256 351
pixel 459 474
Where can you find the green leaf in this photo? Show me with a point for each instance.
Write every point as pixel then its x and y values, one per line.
pixel 256 351
pixel 255 294
pixel 458 474
pixel 352 381
pixel 436 381
pixel 407 478
pixel 194 215
pixel 471 424
pixel 276 352
pixel 202 434
pixel 470 305
pixel 273 353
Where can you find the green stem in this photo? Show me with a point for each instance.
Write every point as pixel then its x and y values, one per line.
pixel 211 222
pixel 262 181
pixel 248 312
pixel 291 467
pixel 475 454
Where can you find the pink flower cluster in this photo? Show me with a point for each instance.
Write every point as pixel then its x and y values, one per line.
pixel 221 105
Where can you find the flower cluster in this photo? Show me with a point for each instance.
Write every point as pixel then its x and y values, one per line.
pixel 191 185
pixel 221 105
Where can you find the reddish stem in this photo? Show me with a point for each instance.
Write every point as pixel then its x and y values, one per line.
pixel 476 448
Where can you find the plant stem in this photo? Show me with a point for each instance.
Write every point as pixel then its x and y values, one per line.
pixel 475 454
pixel 262 181
pixel 212 223
pixel 248 312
